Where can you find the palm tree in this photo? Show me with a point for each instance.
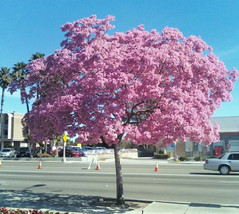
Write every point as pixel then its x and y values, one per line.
pixel 37 55
pixel 19 75
pixel 5 80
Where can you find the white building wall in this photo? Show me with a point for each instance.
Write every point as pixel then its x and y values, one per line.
pixel 13 128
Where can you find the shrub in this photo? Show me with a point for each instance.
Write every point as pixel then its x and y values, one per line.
pixel 197 158
pixel 161 156
pixel 5 210
pixel 184 158
pixel 213 156
pixel 203 158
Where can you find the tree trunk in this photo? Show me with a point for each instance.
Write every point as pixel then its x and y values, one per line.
pixel 1 125
pixel 56 152
pixel 119 179
pixel 28 131
pixel 27 104
pixel 33 147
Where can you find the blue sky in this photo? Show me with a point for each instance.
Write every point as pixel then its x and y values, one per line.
pixel 30 26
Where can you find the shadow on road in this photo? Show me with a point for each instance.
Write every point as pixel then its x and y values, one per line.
pixel 60 202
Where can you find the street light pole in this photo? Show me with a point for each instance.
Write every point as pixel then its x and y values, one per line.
pixel 175 151
pixel 64 147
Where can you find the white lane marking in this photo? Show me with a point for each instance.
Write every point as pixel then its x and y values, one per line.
pixel 14 175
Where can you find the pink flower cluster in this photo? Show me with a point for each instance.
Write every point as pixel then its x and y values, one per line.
pixel 148 87
pixel 5 210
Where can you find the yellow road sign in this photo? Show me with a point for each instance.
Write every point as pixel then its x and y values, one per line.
pixel 64 137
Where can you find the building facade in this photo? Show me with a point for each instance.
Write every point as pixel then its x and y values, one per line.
pixel 229 140
pixel 12 137
pixel 11 130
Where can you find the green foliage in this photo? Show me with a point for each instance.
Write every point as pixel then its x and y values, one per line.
pixel 5 77
pixel 197 158
pixel 212 156
pixel 37 55
pixel 184 158
pixel 161 152
pixel 203 158
pixel 161 156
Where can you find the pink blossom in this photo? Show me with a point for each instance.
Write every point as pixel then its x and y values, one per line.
pixel 153 88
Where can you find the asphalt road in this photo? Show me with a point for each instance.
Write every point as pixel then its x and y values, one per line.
pixel 173 182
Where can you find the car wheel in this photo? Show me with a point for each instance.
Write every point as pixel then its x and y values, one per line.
pixel 224 170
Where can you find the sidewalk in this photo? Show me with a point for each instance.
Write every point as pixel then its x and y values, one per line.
pixel 153 208
pixel 186 208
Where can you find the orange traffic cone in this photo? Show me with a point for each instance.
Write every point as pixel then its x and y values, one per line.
pixel 98 166
pixel 156 167
pixel 39 166
pixel 0 164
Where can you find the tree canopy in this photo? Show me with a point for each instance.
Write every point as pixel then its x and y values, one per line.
pixel 148 87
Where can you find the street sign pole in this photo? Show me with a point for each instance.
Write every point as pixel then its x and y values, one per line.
pixel 64 147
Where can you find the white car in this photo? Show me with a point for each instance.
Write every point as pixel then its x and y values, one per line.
pixel 226 163
pixel 7 152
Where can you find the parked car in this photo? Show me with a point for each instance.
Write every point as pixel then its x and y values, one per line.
pixel 24 152
pixel 78 149
pixel 72 152
pixel 52 150
pixel 7 152
pixel 226 163
pixel 88 148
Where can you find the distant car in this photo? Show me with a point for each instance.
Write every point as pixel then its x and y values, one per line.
pixel 72 152
pixel 88 148
pixel 82 151
pixel 226 163
pixel 99 148
pixel 7 152
pixel 24 152
pixel 52 150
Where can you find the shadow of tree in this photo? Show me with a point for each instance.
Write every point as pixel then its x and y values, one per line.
pixel 61 202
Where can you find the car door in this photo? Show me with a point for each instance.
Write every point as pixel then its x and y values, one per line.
pixel 233 160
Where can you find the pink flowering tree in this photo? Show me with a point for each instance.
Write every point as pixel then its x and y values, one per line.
pixel 147 87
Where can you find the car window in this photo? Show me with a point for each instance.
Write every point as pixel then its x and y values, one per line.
pixel 6 150
pixel 24 149
pixel 233 157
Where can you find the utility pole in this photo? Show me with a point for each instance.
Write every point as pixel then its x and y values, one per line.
pixel 64 147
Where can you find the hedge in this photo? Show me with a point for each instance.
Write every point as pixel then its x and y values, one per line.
pixel 161 156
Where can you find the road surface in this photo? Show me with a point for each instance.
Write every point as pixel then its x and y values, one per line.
pixel 21 181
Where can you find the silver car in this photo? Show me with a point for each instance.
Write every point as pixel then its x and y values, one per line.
pixel 228 162
pixel 7 152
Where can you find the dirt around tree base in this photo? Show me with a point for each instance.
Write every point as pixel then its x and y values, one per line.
pixel 111 203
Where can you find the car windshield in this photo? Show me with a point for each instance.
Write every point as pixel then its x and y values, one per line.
pixel 73 149
pixel 24 149
pixel 6 150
